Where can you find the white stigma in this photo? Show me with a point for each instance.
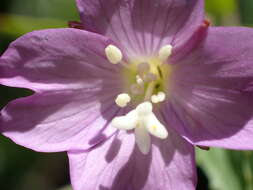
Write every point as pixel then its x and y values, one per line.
pixel 144 121
pixel 127 122
pixel 122 100
pixel 165 52
pixel 144 109
pixel 113 54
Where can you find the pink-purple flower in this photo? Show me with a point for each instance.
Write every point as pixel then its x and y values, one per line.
pixel 131 94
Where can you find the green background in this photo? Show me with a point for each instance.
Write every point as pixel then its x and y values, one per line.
pixel 23 169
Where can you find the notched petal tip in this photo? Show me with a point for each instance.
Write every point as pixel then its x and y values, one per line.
pixel 204 147
pixel 194 41
pixel 206 23
pixel 75 24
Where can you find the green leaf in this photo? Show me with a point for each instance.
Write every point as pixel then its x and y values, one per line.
pixel 246 12
pixel 219 168
pixel 221 7
pixel 66 188
pixel 57 9
pixel 18 25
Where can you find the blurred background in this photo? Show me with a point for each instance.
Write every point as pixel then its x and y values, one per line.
pixel 23 169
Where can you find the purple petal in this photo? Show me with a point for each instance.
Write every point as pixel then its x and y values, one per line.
pixel 212 99
pixel 75 90
pixel 118 164
pixel 59 121
pixel 57 59
pixel 141 27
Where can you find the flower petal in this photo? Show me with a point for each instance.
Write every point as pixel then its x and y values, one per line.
pixel 58 59
pixel 169 165
pixel 59 121
pixel 75 89
pixel 141 27
pixel 212 99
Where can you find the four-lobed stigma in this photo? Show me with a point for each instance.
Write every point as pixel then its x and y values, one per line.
pixel 143 121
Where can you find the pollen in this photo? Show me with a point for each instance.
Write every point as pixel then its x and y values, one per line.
pixel 113 54
pixel 122 100
pixel 154 99
pixel 160 97
pixel 165 52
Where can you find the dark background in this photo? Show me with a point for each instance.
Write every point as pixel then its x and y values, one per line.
pixel 23 169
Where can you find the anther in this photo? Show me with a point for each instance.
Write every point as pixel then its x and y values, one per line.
pixel 122 100
pixel 161 96
pixel 113 54
pixel 165 52
pixel 127 122
pixel 154 99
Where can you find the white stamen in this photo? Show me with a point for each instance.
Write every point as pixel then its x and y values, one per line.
pixel 122 100
pixel 154 99
pixel 113 54
pixel 165 52
pixel 137 89
pixel 139 80
pixel 144 121
pixel 161 96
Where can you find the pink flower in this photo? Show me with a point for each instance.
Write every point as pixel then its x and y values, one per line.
pixel 120 95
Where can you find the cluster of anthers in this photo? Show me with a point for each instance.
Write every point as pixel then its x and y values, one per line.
pixel 148 87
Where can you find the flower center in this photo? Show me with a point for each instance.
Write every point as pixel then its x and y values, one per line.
pixel 146 83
